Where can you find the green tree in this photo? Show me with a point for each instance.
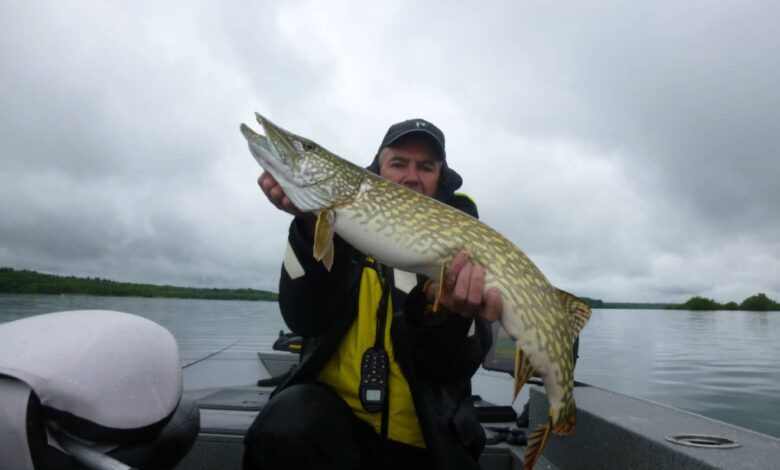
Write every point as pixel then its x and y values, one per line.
pixel 759 302
pixel 593 303
pixel 700 303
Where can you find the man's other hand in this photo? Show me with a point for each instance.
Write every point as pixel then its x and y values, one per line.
pixel 464 291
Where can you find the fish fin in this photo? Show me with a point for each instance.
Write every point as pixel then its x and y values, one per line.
pixel 523 371
pixel 323 238
pixel 536 443
pixel 578 310
pixel 567 421
pixel 440 290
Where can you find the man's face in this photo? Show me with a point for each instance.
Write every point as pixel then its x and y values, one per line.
pixel 411 162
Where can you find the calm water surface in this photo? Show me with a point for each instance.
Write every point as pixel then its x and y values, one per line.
pixel 725 365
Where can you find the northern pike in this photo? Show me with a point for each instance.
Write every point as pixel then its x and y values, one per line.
pixel 412 232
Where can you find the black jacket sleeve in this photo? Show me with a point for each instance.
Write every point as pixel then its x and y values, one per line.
pixel 308 303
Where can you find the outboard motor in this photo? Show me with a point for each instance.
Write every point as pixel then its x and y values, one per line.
pixel 89 389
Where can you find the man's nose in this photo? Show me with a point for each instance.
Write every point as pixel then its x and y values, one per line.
pixel 412 177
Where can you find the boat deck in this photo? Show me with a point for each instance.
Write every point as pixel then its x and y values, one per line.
pixel 227 412
pixel 614 431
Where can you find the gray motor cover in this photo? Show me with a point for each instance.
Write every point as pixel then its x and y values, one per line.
pixel 114 369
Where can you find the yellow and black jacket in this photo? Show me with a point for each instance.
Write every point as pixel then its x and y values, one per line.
pixel 431 364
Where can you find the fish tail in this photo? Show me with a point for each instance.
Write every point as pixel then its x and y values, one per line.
pixel 536 443
pixel 567 419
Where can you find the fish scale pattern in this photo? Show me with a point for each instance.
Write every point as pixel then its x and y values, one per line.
pixel 435 232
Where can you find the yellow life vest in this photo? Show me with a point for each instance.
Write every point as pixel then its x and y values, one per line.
pixel 342 372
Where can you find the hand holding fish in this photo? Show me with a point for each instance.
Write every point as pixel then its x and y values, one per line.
pixel 278 198
pixel 464 291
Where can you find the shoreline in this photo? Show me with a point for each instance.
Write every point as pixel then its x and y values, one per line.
pixel 14 281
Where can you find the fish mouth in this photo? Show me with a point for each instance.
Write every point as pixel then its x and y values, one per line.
pixel 257 140
pixel 261 148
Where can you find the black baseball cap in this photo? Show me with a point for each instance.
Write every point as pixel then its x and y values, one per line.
pixel 412 126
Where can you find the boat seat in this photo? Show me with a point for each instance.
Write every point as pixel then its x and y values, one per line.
pixel 78 389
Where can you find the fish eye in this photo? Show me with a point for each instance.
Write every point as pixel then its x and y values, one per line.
pixel 309 146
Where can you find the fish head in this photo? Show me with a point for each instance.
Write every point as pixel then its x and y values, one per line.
pixel 310 175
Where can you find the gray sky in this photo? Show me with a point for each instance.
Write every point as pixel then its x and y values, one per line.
pixel 630 149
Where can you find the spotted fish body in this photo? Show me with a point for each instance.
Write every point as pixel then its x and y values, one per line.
pixel 412 232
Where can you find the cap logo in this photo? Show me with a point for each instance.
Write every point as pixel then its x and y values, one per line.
pixel 420 124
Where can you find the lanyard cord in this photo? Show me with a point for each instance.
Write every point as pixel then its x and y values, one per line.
pixel 379 344
pixel 381 312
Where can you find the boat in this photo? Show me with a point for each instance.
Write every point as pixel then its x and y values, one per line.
pixel 221 398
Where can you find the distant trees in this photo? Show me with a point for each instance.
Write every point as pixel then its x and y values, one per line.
pixel 598 303
pixel 759 302
pixel 593 303
pixel 32 282
pixel 701 303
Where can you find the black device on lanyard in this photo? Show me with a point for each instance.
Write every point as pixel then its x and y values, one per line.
pixel 374 369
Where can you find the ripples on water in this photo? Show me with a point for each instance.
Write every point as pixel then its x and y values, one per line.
pixel 725 365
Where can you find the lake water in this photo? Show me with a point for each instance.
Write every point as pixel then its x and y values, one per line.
pixel 725 365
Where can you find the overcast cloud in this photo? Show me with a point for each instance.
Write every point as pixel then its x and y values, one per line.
pixel 630 149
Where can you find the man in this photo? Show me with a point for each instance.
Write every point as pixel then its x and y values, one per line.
pixel 383 381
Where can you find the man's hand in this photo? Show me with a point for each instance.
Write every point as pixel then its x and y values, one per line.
pixel 276 194
pixel 278 198
pixel 464 291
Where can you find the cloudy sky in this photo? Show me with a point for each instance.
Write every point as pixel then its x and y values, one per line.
pixel 630 149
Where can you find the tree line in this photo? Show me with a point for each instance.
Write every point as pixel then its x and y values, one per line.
pixel 759 302
pixel 598 303
pixel 32 282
